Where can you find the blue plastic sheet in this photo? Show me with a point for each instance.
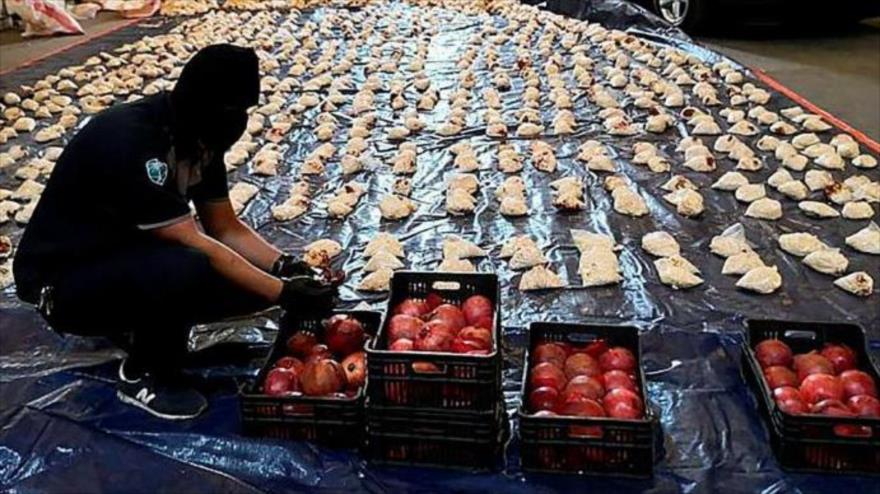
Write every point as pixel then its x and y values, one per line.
pixel 63 430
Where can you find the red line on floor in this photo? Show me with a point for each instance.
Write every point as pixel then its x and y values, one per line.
pixel 797 98
pixel 79 42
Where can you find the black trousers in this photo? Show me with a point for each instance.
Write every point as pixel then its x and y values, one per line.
pixel 146 299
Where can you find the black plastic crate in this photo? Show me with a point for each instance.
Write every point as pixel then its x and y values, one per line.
pixel 416 437
pixel 440 380
pixel 814 442
pixel 587 445
pixel 335 422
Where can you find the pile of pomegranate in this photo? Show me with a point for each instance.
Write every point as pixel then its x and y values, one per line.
pixel 335 368
pixel 430 325
pixel 584 381
pixel 826 382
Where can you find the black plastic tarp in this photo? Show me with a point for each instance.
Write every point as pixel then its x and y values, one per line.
pixel 63 430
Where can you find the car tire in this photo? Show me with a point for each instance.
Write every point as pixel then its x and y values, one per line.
pixel 685 14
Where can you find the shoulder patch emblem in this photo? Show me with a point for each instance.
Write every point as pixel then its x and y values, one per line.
pixel 157 171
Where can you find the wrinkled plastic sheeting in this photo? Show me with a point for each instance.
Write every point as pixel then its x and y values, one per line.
pixel 64 430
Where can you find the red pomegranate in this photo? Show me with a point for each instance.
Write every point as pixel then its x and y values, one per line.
pixel 412 307
pixel 344 334
pixel 818 387
pixel 842 357
pixel 547 374
pixel 449 314
pixel 480 335
pixel 619 379
pixel 322 377
pixel 581 364
pixel 280 381
pixel 404 326
pixel 856 382
pixel 355 368
pixel 812 363
pixel 618 358
pixel 778 375
pixel 543 398
pixel 549 352
pixel 478 311
pixel 301 342
pixel 586 386
pixel 772 353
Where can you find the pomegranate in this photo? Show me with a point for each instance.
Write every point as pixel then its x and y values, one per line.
pixel 460 345
pixel 623 404
pixel 842 357
pixel 812 363
pixel 856 382
pixel 778 375
pixel 412 307
pixel 792 406
pixel 402 345
pixel 292 363
pixel 404 326
pixel 478 311
pixel 480 335
pixel 318 352
pixel 543 398
pixel 864 405
pixel 322 377
pixel 585 386
pixel 433 301
pixel 434 337
pixel 826 407
pixel 594 349
pixel 772 353
pixel 355 368
pixel 547 374
pixel 617 358
pixel 787 393
pixel 344 334
pixel 449 314
pixel 280 381
pixel 549 352
pixel 581 364
pixel 818 387
pixel 581 407
pixel 618 379
pixel 301 342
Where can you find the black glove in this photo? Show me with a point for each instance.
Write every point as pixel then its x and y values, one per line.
pixel 287 266
pixel 306 296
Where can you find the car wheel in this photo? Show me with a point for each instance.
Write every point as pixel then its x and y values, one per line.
pixel 686 14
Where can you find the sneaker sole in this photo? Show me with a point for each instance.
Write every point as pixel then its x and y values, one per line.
pixel 135 403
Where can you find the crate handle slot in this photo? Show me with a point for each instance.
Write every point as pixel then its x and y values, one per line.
pixel 297 409
pixel 582 337
pixel 449 286
pixel 853 431
pixel 585 431
pixel 429 368
pixel 800 334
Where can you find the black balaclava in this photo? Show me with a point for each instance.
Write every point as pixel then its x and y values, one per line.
pixel 212 95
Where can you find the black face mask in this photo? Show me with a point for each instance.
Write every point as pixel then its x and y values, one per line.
pixel 220 129
pixel 212 95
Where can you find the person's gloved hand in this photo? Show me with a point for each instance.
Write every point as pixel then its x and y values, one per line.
pixel 307 296
pixel 288 266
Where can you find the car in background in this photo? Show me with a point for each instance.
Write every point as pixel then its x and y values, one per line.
pixel 694 14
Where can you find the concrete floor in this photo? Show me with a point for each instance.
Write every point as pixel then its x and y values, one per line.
pixel 15 50
pixel 838 71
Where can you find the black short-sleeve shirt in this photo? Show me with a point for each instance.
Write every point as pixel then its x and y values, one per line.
pixel 117 178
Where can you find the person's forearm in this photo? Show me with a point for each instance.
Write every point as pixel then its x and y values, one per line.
pixel 235 267
pixel 245 241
